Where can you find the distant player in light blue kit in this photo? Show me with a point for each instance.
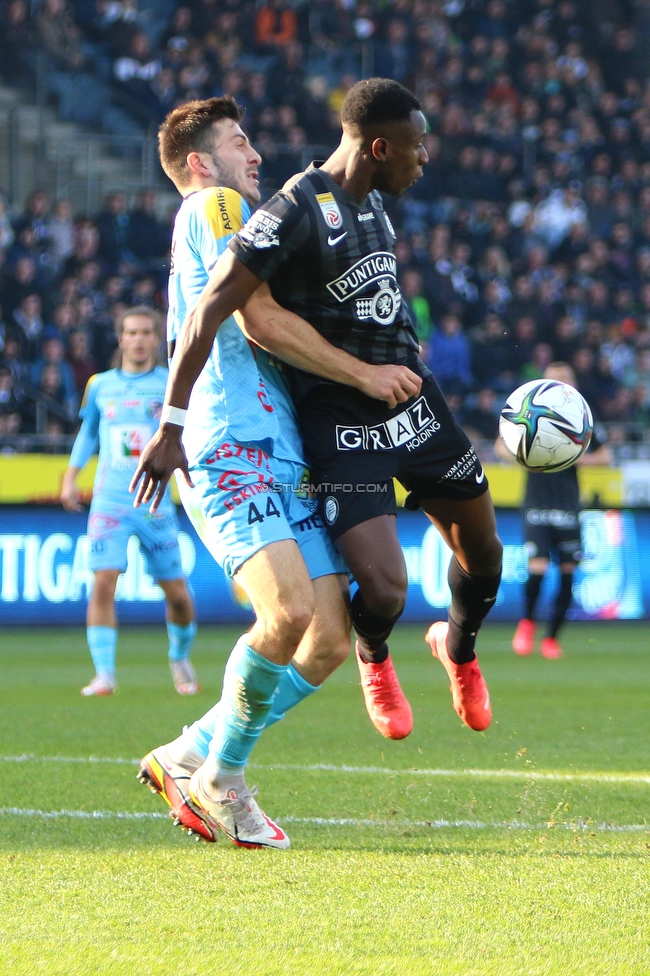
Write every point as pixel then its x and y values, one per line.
pixel 121 410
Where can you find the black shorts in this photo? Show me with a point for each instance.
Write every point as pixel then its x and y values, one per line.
pixel 356 446
pixel 552 531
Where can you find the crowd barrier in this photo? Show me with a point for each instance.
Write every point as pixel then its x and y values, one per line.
pixel 44 576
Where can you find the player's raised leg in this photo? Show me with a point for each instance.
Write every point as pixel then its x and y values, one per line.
pixel 469 529
pixel 373 554
pixel 101 632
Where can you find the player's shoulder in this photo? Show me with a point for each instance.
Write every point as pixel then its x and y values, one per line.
pixel 95 383
pixel 224 209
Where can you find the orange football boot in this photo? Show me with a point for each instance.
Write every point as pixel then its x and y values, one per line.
pixel 524 640
pixel 469 693
pixel 386 703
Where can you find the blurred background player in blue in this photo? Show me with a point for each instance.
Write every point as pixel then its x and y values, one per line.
pixel 121 411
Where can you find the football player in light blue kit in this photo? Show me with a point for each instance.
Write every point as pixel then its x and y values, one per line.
pixel 121 410
pixel 242 492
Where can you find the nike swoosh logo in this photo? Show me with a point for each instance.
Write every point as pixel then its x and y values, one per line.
pixel 334 240
pixel 480 477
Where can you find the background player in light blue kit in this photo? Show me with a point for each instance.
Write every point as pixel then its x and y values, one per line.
pixel 121 410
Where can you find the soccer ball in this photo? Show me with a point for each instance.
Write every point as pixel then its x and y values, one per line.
pixel 546 425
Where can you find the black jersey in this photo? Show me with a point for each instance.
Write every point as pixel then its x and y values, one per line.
pixel 558 490
pixel 329 258
pixel 555 490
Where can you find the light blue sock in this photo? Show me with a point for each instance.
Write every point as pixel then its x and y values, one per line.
pixel 249 684
pixel 102 642
pixel 291 691
pixel 181 638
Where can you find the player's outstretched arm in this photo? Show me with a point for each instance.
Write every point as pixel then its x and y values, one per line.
pixel 292 339
pixel 230 286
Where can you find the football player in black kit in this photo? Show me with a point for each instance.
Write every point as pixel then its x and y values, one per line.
pixel 326 248
pixel 552 527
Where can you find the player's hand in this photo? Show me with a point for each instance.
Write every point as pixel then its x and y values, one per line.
pixel 161 457
pixel 70 495
pixel 394 384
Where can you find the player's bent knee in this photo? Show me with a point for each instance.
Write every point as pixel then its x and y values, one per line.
pixel 385 596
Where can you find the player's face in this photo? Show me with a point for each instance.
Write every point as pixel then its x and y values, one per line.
pixel 234 162
pixel 138 343
pixel 405 156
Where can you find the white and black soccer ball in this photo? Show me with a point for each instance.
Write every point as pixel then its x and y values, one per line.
pixel 546 425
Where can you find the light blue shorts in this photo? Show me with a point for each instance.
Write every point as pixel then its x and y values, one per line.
pixel 243 500
pixel 110 527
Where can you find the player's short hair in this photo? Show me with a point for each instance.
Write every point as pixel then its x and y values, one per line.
pixel 377 100
pixel 188 128
pixel 157 321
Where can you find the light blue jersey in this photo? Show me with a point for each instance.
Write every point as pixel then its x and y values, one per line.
pixel 238 394
pixel 121 411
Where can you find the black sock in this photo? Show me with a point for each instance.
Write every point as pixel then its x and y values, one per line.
pixel 472 598
pixel 371 630
pixel 562 604
pixel 531 591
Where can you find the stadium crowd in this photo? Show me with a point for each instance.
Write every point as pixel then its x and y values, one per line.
pixel 526 241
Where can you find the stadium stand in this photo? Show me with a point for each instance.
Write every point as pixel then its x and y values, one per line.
pixel 527 239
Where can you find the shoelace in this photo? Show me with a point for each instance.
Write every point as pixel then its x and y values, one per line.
pixel 244 816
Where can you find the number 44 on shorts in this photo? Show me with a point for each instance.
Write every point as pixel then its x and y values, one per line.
pixel 254 514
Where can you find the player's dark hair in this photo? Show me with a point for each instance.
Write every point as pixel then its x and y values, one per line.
pixel 377 100
pixel 188 128
pixel 156 319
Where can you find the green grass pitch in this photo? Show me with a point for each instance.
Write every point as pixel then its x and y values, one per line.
pixel 523 850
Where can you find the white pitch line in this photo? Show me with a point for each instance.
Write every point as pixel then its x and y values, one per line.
pixel 514 774
pixel 339 822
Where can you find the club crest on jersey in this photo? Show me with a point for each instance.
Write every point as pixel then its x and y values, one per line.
pixel 383 306
pixel 379 269
pixel 330 210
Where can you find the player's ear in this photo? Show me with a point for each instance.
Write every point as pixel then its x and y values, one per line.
pixel 195 164
pixel 379 149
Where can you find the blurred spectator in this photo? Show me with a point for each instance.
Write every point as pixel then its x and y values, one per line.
pixel 6 230
pixel 82 363
pixel 149 240
pixel 113 224
pixel 276 25
pixel 479 418
pixel 29 326
pixel 61 229
pixel 413 295
pixel 53 354
pixel 493 355
pixel 59 35
pixel 450 356
pixel 8 402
